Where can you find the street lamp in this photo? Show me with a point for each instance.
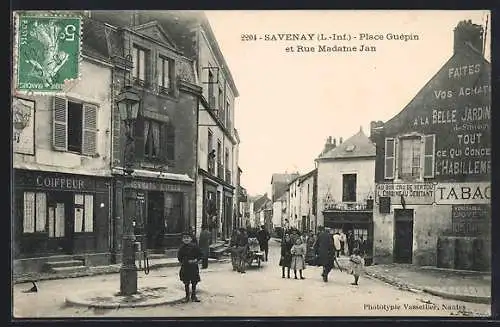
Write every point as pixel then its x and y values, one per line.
pixel 128 104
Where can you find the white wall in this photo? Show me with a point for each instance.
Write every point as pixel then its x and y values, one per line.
pixel 330 180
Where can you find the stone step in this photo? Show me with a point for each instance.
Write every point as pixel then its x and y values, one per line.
pixel 67 263
pixel 68 270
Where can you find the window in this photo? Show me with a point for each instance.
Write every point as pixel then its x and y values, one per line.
pixel 83 213
pixel 211 96
pixel 159 140
pixel 211 159
pixel 174 220
pixel 220 102
pixel 349 188
pixel 226 159
pixel 390 154
pixel 165 73
pixel 307 193
pixel 56 221
pixel 228 116
pixel 415 157
pixel 220 168
pixel 410 157
pixel 139 62
pixel 74 126
pixel 35 212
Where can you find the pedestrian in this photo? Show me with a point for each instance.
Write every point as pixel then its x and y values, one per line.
pixel 325 252
pixel 336 243
pixel 242 251
pixel 310 255
pixel 356 265
pixel 204 244
pixel 298 252
pixel 343 244
pixel 233 244
pixel 350 241
pixel 188 255
pixel 286 255
pixel 263 237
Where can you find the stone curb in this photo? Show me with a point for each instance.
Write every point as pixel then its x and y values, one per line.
pixel 416 289
pixel 92 271
pixel 77 301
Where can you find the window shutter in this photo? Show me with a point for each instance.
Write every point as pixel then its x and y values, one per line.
pixel 60 124
pixel 159 71
pixel 89 128
pixel 389 159
pixel 170 141
pixel 429 159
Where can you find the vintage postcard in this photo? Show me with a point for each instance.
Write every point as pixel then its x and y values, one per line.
pixel 251 163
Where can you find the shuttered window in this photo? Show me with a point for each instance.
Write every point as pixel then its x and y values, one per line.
pixel 60 124
pixel 389 158
pixel 74 126
pixel 170 136
pixel 429 159
pixel 84 213
pixel 89 126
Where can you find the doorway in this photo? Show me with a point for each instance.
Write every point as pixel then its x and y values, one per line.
pixel 155 225
pixel 61 215
pixel 403 235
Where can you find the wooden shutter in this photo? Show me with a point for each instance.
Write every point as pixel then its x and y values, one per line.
pixel 159 72
pixel 60 124
pixel 429 159
pixel 170 138
pixel 89 129
pixel 389 158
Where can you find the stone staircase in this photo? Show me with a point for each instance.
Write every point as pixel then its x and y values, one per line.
pixel 65 265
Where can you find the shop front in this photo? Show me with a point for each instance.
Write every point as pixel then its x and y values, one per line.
pixel 160 209
pixel 60 214
pixel 359 223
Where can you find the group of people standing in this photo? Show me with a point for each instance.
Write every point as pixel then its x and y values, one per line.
pixel 320 250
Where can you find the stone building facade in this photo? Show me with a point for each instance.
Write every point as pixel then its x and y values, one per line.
pixel 433 167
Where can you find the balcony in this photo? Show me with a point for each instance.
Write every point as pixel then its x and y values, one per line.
pixel 228 176
pixel 220 171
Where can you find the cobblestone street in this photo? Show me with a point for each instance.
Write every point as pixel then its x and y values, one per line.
pixel 259 292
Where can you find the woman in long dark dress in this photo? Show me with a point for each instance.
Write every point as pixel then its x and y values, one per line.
pixel 286 255
pixel 189 254
pixel 310 254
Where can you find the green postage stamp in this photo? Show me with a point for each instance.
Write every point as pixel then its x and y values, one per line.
pixel 48 52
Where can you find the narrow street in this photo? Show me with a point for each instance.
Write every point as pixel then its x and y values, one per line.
pixel 259 292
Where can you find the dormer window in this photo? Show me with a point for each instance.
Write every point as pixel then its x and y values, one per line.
pixel 350 148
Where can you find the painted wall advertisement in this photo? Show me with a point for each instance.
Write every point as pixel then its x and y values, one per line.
pixel 458 112
pixel 438 193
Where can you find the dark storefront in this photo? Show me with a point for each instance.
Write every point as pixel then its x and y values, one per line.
pixel 359 222
pixel 217 209
pixel 60 214
pixel 160 208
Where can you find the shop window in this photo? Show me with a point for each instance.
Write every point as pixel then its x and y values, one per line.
pixel 174 218
pixel 349 187
pixel 360 234
pixel 35 212
pixel 74 126
pixel 83 213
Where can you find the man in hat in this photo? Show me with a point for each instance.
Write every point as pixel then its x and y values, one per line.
pixel 242 248
pixel 263 237
pixel 204 243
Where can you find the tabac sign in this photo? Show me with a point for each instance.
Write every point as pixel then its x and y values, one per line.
pixel 435 193
pixel 412 193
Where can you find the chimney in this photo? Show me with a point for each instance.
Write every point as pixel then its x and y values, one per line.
pixel 334 143
pixel 375 127
pixel 340 140
pixel 467 35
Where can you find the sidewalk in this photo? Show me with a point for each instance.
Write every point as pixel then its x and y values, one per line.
pixel 447 283
pixel 101 270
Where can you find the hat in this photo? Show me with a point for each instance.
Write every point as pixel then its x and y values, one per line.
pixel 187 233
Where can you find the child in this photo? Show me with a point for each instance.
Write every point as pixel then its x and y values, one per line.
pixel 298 257
pixel 189 254
pixel 356 265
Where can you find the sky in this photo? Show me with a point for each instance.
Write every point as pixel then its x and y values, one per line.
pixel 289 103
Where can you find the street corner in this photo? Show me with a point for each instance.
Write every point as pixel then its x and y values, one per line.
pixel 145 297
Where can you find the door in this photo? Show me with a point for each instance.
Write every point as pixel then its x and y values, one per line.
pixel 403 236
pixel 155 225
pixel 61 217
